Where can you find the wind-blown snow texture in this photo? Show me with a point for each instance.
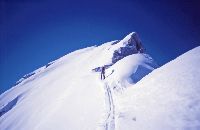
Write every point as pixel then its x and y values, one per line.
pixel 68 93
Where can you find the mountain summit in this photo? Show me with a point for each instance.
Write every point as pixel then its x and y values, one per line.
pixel 131 44
pixel 68 93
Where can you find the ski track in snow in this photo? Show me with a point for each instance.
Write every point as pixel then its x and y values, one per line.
pixel 110 121
pixel 65 95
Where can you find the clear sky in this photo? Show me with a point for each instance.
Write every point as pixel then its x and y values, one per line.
pixel 35 32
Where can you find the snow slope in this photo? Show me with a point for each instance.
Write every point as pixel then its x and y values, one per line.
pixel 166 99
pixel 68 93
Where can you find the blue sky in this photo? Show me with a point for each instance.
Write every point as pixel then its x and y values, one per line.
pixel 35 32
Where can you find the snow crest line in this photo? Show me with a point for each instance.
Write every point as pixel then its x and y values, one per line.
pixel 110 120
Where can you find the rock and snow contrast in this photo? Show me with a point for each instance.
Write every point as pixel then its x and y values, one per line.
pixel 135 95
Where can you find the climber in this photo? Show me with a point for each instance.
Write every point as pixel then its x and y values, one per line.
pixel 103 73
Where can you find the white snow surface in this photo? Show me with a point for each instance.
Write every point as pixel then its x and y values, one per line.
pixel 67 94
pixel 166 99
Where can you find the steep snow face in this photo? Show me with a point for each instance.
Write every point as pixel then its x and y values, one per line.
pixel 167 99
pixel 67 94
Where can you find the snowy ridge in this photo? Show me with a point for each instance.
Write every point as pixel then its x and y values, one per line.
pixel 68 93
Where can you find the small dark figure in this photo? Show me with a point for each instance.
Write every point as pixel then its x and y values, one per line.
pixel 103 73
pixel 138 47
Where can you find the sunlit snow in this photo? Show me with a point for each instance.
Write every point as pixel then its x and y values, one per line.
pixel 69 94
